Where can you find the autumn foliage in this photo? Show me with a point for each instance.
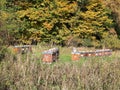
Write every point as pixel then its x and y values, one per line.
pixel 59 21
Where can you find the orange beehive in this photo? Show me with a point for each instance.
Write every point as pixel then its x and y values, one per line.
pixel 47 58
pixel 75 56
pixel 16 49
pixel 50 55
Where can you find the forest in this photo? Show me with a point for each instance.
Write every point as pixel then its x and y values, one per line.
pixel 60 22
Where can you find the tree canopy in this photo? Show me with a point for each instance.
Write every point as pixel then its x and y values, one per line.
pixel 58 21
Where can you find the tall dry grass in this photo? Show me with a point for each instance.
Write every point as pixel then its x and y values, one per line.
pixel 25 73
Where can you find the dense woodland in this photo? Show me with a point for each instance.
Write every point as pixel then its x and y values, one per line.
pixel 62 22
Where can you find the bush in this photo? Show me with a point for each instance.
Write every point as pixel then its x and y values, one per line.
pixel 87 42
pixel 111 42
pixel 3 52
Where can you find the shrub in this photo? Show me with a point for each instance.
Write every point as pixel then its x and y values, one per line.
pixel 111 42
pixel 3 51
pixel 87 43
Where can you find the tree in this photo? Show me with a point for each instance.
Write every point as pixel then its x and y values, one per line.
pixel 4 35
pixel 114 5
pixel 94 20
pixel 58 21
pixel 48 21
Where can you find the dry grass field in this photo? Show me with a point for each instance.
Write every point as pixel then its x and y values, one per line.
pixel 27 72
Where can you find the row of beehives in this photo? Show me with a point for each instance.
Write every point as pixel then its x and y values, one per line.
pixel 23 49
pixel 52 54
pixel 77 54
pixel 48 56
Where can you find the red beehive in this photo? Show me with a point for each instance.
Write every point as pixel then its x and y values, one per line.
pixel 93 53
pixel 82 53
pixel 17 49
pixel 47 58
pixel 50 55
pixel 75 56
pixel 86 54
pixel 98 53
pixel 108 52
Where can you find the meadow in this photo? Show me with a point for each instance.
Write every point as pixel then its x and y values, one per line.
pixel 27 72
